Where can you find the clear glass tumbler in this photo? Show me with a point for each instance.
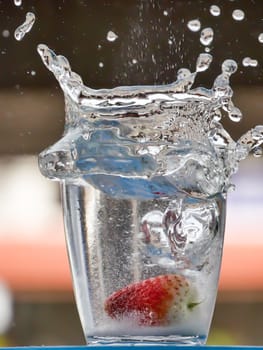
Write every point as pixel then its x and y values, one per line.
pixel 144 212
pixel 145 169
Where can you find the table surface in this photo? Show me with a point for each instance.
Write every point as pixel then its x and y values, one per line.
pixel 124 347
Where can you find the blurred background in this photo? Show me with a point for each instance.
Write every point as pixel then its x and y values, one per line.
pixel 152 42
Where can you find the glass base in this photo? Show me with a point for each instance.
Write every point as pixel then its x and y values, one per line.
pixel 172 340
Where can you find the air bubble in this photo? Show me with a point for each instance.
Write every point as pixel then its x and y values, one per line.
pixel 111 36
pixel 207 36
pixel 215 10
pixel 238 15
pixel 194 25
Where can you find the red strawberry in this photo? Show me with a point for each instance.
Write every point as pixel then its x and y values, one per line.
pixel 156 301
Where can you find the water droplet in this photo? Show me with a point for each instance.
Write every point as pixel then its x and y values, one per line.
pixel 257 133
pixel 183 73
pixel 5 33
pixel 33 72
pixel 235 114
pixel 194 25
pixel 257 152
pixel 111 36
pixel 249 62
pixel 215 10
pixel 203 62
pixel 25 27
pixel 165 13
pixel 170 42
pixel 207 49
pixel 134 61
pixel 153 59
pixel 217 116
pixel 238 15
pixel 260 38
pixel 231 187
pixel 99 47
pixel 229 67
pixel 207 36
pixel 101 64
pixel 18 2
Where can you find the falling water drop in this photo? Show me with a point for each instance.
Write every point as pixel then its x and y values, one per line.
pixel 229 67
pixel 249 62
pixel 235 114
pixel 203 62
pixel 18 2
pixel 238 15
pixel 215 10
pixel 25 27
pixel 206 36
pixel 194 25
pixel 111 36
pixel 260 38
pixel 257 152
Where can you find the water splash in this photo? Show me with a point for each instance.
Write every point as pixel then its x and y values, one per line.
pixel 183 134
pixel 24 28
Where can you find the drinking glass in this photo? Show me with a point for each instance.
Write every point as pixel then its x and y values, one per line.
pixel 144 215
pixel 144 175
